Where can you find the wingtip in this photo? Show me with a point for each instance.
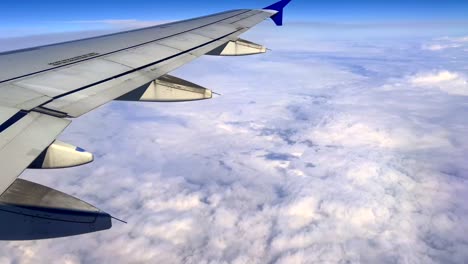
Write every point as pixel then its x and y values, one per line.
pixel 279 7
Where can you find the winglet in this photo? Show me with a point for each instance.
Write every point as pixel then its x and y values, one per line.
pixel 278 6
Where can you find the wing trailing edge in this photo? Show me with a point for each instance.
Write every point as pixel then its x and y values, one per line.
pixel 29 211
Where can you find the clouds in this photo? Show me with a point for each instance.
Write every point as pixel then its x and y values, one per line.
pixel 445 43
pixel 310 156
pixel 449 82
pixel 437 47
pixel 431 79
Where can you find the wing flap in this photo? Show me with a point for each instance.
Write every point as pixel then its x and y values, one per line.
pixel 30 211
pixel 76 104
pixel 21 98
pixel 23 140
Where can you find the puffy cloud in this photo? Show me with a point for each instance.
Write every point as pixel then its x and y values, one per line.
pixel 431 79
pixel 306 158
pixel 449 82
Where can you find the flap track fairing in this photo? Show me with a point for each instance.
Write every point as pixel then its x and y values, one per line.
pixel 61 155
pixel 240 47
pixel 168 89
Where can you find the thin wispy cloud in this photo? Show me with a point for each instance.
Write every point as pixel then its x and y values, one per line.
pixel 441 44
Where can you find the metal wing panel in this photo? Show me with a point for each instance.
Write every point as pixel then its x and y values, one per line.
pixel 67 79
pixel 23 140
pixel 77 104
pixel 245 15
pixel 147 54
pixel 184 41
pixel 215 30
pixel 73 86
pixel 252 20
pixel 17 97
pixel 37 74
pixel 22 63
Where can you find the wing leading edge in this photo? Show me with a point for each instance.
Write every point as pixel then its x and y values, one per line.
pixel 41 87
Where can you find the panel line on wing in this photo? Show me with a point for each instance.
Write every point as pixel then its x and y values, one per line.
pixel 142 67
pixel 15 118
pixel 112 52
pixel 258 12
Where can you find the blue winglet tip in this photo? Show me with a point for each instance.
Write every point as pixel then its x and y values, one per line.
pixel 278 6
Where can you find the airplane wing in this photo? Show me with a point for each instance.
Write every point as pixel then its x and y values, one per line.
pixel 42 88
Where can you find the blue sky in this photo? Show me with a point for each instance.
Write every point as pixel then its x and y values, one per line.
pixel 51 13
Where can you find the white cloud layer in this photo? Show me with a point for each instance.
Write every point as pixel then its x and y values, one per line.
pixel 445 43
pixel 437 47
pixel 310 156
pixel 446 81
